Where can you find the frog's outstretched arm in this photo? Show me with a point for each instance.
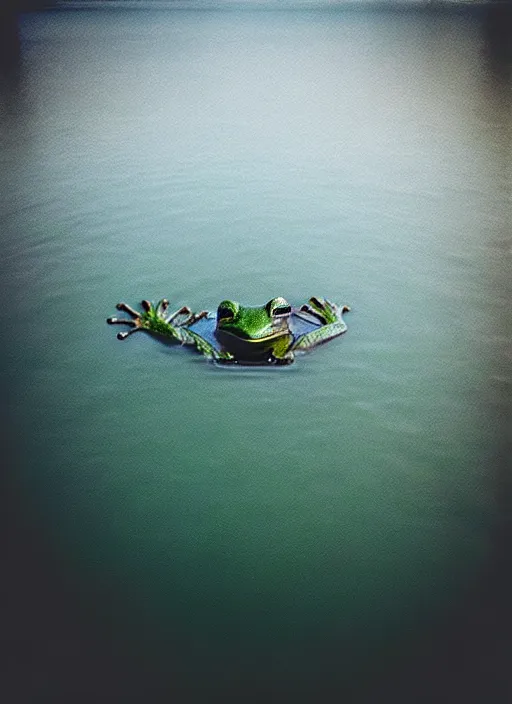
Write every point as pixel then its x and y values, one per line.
pixel 331 317
pixel 172 327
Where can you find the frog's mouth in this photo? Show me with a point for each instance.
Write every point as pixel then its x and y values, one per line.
pixel 250 347
pixel 244 338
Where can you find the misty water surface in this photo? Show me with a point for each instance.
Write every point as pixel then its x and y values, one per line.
pixel 273 532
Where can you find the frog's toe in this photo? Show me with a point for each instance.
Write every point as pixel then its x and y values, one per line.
pixel 311 311
pixel 135 322
pixel 190 318
pixel 197 316
pixel 134 325
pixel 162 307
pixel 124 335
pixel 128 309
pixel 288 358
pixel 179 317
pixel 121 321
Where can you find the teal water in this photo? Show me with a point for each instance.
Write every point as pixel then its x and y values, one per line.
pixel 259 530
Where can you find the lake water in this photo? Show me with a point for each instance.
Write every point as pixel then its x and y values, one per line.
pixel 240 534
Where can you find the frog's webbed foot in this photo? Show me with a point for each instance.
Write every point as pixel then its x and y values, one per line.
pixel 152 319
pixel 331 317
pixel 324 310
pixel 174 327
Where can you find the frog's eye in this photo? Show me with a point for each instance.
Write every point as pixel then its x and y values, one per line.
pixel 278 307
pixel 227 310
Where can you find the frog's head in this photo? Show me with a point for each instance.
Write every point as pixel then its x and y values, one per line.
pixel 254 333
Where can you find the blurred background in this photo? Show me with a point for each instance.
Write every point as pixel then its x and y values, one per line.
pixel 337 530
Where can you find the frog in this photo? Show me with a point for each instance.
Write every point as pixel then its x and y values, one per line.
pixel 270 334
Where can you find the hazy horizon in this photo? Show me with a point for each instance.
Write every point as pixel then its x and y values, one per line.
pixel 238 4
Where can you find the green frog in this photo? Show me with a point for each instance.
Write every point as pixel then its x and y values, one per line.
pixel 236 334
